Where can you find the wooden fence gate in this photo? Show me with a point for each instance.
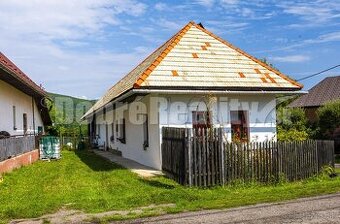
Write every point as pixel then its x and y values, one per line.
pixel 174 153
pixel 200 157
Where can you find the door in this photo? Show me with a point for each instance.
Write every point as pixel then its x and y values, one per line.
pixel 107 136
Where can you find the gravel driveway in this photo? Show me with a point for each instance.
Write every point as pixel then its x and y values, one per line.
pixel 323 209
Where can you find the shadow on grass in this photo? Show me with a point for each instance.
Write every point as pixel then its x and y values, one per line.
pixel 157 183
pixel 96 162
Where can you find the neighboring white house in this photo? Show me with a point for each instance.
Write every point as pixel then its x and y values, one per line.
pixel 195 79
pixel 21 108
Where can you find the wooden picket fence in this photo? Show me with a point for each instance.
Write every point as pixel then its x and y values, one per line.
pixel 12 147
pixel 200 157
pixel 174 154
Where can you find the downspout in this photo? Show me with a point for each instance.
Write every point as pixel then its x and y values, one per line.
pixel 33 116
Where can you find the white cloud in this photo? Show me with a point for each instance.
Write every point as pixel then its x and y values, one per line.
pixel 291 58
pixel 206 3
pixel 55 19
pixel 221 27
pixel 315 12
pixel 229 2
pixel 50 41
pixel 169 25
pixel 335 36
pixel 247 12
pixel 325 38
pixel 87 73
pixel 161 6
pixel 251 10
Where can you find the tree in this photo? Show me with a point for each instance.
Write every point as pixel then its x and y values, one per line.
pixel 329 118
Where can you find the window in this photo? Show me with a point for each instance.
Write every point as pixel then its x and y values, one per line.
pixel 98 129
pixel 40 129
pixel 201 119
pixel 112 138
pixel 14 118
pixel 146 131
pixel 24 119
pixel 121 131
pixel 239 126
pixel 104 114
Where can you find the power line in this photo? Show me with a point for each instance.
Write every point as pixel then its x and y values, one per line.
pixel 326 70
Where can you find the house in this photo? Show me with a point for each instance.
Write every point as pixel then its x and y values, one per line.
pixel 195 79
pixel 22 110
pixel 325 91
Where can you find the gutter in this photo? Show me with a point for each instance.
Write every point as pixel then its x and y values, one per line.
pixel 216 91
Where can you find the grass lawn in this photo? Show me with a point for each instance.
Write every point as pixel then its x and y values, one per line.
pixel 86 182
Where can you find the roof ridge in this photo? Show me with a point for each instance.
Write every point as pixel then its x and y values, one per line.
pixel 332 77
pixel 248 56
pixel 174 40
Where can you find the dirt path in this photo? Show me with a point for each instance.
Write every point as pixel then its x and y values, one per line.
pixel 75 217
pixel 323 209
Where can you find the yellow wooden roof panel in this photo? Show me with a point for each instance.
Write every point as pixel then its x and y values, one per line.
pixel 199 59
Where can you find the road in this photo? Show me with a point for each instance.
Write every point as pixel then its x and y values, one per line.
pixel 323 209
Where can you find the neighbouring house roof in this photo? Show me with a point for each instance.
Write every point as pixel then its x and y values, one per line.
pixel 11 74
pixel 325 91
pixel 195 58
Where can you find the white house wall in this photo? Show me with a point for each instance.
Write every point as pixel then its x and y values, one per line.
pixel 261 112
pixel 9 97
pixel 133 148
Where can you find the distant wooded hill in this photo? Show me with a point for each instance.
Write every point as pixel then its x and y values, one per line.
pixel 66 112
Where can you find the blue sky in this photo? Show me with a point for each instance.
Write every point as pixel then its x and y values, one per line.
pixel 82 47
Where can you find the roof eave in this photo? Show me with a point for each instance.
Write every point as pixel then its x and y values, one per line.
pixel 11 78
pixel 92 111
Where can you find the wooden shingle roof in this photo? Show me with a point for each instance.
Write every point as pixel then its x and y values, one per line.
pixel 195 58
pixel 325 91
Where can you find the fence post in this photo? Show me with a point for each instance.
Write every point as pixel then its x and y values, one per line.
pixel 317 156
pixel 220 138
pixel 332 152
pixel 189 154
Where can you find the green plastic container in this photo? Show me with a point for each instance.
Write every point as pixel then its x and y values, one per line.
pixel 49 147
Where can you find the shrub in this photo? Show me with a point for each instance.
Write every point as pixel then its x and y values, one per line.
pixel 291 135
pixel 292 124
pixel 329 118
